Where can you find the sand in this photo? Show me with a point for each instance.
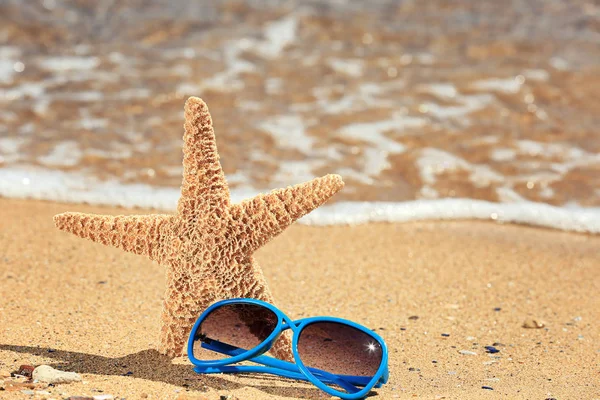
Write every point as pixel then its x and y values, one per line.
pixel 95 310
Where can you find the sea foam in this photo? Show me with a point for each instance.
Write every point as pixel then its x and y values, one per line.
pixel 35 183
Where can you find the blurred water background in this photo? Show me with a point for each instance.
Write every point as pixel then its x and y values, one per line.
pixel 428 109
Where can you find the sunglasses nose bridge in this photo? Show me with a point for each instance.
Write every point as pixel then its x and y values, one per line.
pixel 287 323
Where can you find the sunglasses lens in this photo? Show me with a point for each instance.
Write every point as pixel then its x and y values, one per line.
pixel 233 326
pixel 339 349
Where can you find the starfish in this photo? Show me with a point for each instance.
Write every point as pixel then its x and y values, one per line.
pixel 207 246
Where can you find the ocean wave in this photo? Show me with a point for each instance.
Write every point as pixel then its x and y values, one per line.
pixel 75 187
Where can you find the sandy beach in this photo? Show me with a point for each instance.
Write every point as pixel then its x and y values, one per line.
pixel 431 289
pixel 441 112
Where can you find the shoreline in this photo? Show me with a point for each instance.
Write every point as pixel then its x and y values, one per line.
pixel 75 188
pixel 99 307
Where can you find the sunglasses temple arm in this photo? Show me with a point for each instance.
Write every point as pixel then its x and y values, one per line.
pixel 250 369
pixel 323 376
pixel 290 370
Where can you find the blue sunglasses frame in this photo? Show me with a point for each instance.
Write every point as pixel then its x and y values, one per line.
pixel 282 368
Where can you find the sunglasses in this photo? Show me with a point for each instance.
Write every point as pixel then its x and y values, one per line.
pixel 340 357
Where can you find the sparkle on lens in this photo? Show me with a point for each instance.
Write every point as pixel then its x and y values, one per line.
pixel 371 347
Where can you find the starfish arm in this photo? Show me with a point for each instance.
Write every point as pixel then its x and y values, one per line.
pixel 265 216
pixel 204 187
pixel 241 278
pixel 139 234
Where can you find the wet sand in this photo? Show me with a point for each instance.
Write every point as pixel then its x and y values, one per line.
pixel 431 289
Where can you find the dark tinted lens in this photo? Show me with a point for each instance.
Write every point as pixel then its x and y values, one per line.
pixel 240 325
pixel 339 349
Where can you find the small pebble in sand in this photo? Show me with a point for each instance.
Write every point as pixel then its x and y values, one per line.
pixel 531 323
pixel 491 349
pixel 487 387
pixel 467 353
pixel 413 317
pixel 26 370
pixel 497 309
pixel 45 373
pixel 445 335
pixel 27 391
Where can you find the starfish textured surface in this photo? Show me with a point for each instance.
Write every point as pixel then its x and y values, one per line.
pixel 207 246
